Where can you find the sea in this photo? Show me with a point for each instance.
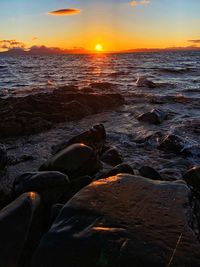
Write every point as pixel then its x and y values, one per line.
pixel 176 91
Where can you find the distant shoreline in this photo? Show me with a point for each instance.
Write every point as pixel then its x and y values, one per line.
pixel 29 53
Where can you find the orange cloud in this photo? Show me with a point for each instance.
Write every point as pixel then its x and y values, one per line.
pixel 139 3
pixel 7 44
pixel 65 12
pixel 197 41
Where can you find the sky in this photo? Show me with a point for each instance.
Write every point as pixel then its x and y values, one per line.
pixel 115 24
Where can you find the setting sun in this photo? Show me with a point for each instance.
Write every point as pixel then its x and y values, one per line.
pixel 98 48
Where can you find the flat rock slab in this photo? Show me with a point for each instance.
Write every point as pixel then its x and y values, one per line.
pixel 123 220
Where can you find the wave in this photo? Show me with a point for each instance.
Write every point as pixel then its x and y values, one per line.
pixel 175 70
pixel 118 73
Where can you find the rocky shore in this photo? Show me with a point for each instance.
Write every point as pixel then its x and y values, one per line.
pixel 70 197
pixel 86 206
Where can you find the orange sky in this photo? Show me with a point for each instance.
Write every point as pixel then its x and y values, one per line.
pixel 115 24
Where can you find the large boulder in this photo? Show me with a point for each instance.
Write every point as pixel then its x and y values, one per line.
pixel 123 220
pixel 51 185
pixel 17 222
pixel 155 116
pixel 75 160
pixel 3 157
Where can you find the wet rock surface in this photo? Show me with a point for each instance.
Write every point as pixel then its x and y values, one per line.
pixel 156 116
pixel 36 113
pixel 121 221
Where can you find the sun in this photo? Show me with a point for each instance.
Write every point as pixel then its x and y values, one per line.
pixel 99 48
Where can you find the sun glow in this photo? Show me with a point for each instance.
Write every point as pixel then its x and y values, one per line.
pixel 99 48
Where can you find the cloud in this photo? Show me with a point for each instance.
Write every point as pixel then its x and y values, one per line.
pixel 9 44
pixel 139 2
pixel 65 12
pixel 197 41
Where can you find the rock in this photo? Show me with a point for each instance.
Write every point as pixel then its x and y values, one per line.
pixel 112 157
pixel 144 82
pixel 149 172
pixel 124 221
pixel 192 178
pixel 156 116
pixel 51 185
pixel 75 110
pixel 121 168
pixel 40 112
pixel 75 160
pixel 95 138
pixel 3 157
pixel 75 186
pixel 80 182
pixel 87 90
pixel 102 85
pixel 55 209
pixel 172 143
pixel 17 222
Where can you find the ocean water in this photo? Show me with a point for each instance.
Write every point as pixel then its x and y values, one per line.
pixel 176 76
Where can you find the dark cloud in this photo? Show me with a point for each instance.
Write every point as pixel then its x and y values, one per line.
pixel 8 44
pixel 65 12
pixel 197 41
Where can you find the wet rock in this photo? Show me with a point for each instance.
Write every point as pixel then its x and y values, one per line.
pixel 102 85
pixel 55 209
pixel 144 82
pixel 75 160
pixel 121 168
pixel 87 90
pixel 80 182
pixel 95 138
pixel 39 112
pixel 112 157
pixel 192 178
pixel 17 228
pixel 3 157
pixel 156 116
pixel 123 220
pixel 149 172
pixel 51 185
pixel 172 143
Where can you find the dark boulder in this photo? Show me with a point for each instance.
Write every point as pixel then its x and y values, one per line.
pixel 94 137
pixel 121 168
pixel 126 221
pixel 75 160
pixel 112 157
pixel 3 157
pixel 144 82
pixel 150 172
pixel 87 90
pixel 51 185
pixel 172 143
pixel 192 178
pixel 17 228
pixel 156 116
